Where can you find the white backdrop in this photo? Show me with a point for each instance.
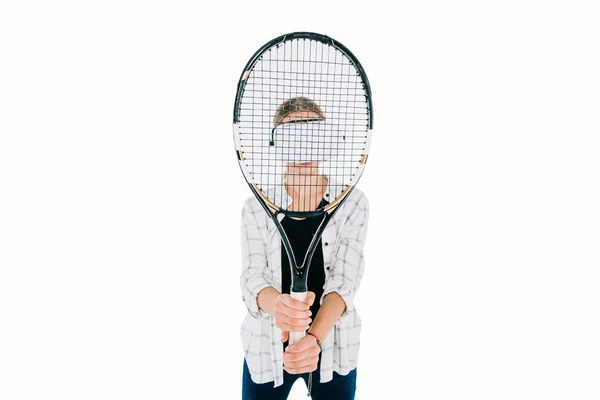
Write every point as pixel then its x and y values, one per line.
pixel 121 197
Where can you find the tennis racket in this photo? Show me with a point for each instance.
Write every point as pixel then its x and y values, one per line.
pixel 302 126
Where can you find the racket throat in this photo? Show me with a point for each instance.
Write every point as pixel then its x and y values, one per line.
pixel 300 283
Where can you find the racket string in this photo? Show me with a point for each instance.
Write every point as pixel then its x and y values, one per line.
pixel 295 76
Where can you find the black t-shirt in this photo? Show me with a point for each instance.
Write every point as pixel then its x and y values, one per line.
pixel 300 234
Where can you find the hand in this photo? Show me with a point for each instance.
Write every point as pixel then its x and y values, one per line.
pixel 292 315
pixel 302 357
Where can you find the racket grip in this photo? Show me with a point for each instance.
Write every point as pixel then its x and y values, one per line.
pixel 296 336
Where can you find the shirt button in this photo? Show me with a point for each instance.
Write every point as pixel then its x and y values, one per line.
pixel 328 268
pixel 326 244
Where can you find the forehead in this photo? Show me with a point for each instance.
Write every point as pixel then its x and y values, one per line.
pixel 300 115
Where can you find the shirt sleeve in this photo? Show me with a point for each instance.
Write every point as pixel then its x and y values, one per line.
pixel 256 274
pixel 348 260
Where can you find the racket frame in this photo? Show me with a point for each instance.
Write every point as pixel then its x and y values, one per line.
pixel 299 286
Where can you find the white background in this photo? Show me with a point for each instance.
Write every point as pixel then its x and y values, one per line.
pixel 121 197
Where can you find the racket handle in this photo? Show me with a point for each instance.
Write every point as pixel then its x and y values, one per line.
pixel 296 336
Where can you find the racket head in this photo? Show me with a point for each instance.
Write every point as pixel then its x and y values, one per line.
pixel 302 123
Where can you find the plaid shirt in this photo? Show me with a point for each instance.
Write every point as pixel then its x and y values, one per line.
pixel 343 242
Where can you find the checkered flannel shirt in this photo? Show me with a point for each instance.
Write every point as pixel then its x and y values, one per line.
pixel 343 243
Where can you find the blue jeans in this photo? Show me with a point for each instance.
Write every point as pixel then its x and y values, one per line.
pixel 341 387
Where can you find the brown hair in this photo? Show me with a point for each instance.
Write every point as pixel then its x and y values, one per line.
pixel 296 104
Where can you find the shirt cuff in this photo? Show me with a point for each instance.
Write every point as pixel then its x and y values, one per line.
pixel 250 298
pixel 346 294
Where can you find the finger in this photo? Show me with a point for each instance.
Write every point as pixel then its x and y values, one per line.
pixel 290 328
pixel 303 363
pixel 303 344
pixel 286 319
pixel 284 336
pixel 295 304
pixel 301 370
pixel 289 357
pixel 291 313
pixel 310 298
